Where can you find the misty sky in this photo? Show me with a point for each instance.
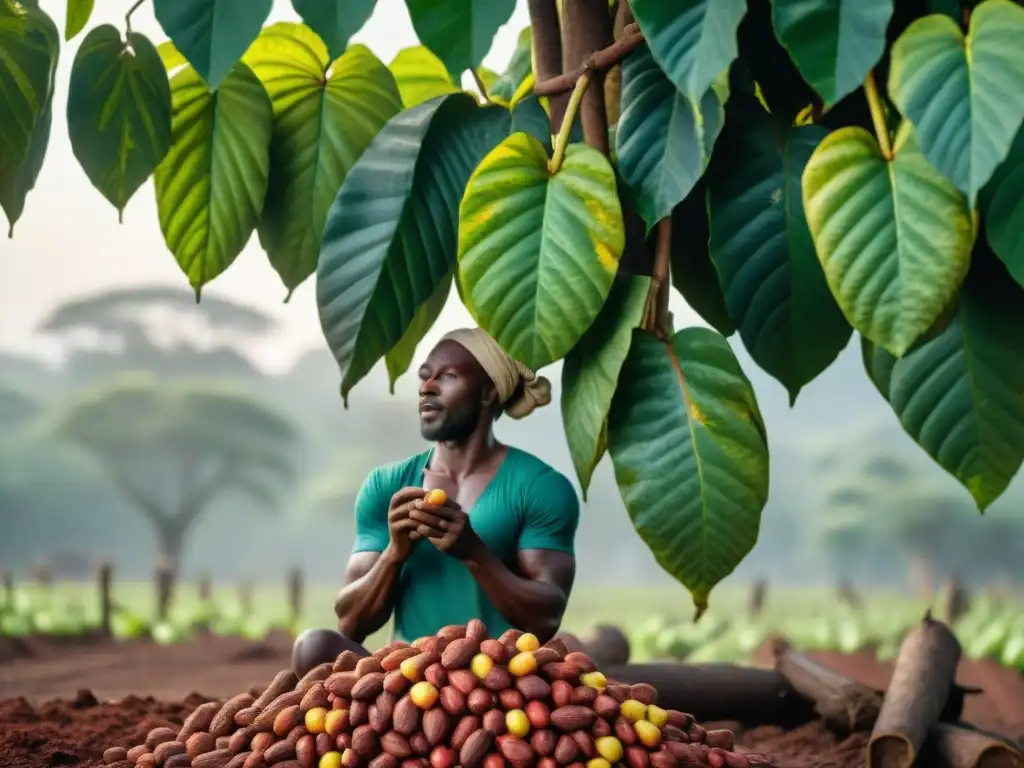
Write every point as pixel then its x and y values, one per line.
pixel 69 242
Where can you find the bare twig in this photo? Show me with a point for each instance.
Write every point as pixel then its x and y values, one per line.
pixel 656 307
pixel 128 16
pixel 598 62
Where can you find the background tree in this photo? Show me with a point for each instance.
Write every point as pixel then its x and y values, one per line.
pixel 172 450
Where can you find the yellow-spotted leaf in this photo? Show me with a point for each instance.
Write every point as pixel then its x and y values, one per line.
pixel 688 445
pixel 211 184
pixel 325 114
pixel 421 76
pixel 399 357
pixel 119 112
pixel 538 251
pixel 894 237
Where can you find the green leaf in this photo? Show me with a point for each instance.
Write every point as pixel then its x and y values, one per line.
pixel 960 395
pixel 325 115
pixel 18 180
pixel 963 95
pixel 762 249
pixel 879 364
pixel 335 21
pixel 519 67
pixel 399 357
pixel 691 459
pixel 538 251
pixel 591 373
pixel 1003 204
pixel 893 237
pixel 212 34
pixel 420 76
pixel 459 32
pixel 663 142
pixel 119 112
pixel 30 44
pixel 77 17
pixel 834 43
pixel 211 184
pixel 693 273
pixel 172 58
pixel 391 234
pixel 529 116
pixel 692 40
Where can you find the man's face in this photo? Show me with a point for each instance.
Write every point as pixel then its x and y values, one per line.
pixel 455 393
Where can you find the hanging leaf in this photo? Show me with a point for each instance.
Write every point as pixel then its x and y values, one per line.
pixel 693 41
pixel 693 273
pixel 399 357
pixel 963 95
pixel 325 115
pixel 834 43
pixel 459 32
pixel 212 34
pixel 335 21
pixel 519 67
pixel 762 249
pixel 591 373
pixel 119 112
pixel 1002 202
pixel 529 116
pixel 211 184
pixel 420 76
pixel 78 13
pixel 879 364
pixel 959 395
pixel 893 237
pixel 691 458
pixel 663 142
pixel 391 234
pixel 18 180
pixel 538 251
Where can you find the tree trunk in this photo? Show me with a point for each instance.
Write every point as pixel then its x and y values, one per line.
pixel 170 541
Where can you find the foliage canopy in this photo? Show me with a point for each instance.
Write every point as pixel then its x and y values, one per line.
pixel 797 170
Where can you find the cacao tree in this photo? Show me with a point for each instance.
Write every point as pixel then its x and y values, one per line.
pixel 797 169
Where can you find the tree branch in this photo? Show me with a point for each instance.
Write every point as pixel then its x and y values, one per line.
pixel 128 16
pixel 598 62
pixel 656 307
pixel 587 27
pixel 149 508
pixel 547 54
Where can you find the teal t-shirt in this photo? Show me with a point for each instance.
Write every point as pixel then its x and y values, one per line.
pixel 527 505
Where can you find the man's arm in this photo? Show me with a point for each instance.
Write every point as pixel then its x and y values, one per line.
pixel 365 603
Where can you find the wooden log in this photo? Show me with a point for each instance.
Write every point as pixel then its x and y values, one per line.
pixel 717 692
pixel 963 746
pixel 845 705
pixel 920 687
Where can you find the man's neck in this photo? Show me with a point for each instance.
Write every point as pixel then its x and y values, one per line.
pixel 462 458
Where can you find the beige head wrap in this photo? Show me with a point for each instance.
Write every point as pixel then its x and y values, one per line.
pixel 520 390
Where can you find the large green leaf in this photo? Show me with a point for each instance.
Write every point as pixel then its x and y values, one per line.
pixel 538 251
pixel 894 236
pixel 879 364
pixel 119 112
pixel 693 273
pixel 834 43
pixel 391 234
pixel 691 458
pixel 519 67
pixel 692 40
pixel 29 44
pixel 460 32
pixel 963 95
pixel 335 21
pixel 211 184
pixel 77 17
pixel 591 374
pixel 663 142
pixel 325 115
pixel 960 395
pixel 212 34
pixel 1003 203
pixel 399 357
pixel 774 285
pixel 18 180
pixel 420 76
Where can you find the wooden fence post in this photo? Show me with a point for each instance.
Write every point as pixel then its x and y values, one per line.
pixel 104 590
pixel 8 589
pixel 164 580
pixel 296 588
pixel 758 598
pixel 245 598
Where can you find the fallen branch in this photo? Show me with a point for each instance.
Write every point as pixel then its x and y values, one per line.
pixel 844 704
pixel 920 687
pixel 598 62
pixel 962 746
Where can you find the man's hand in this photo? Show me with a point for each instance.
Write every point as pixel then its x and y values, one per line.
pixel 447 527
pixel 401 527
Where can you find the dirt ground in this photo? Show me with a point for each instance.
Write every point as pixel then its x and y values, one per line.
pixel 57 700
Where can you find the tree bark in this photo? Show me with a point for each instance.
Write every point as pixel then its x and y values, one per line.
pixel 170 533
pixel 587 28
pixel 547 53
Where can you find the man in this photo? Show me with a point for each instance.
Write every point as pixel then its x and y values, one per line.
pixel 499 549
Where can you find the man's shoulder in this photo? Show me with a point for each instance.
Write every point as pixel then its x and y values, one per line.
pixel 537 475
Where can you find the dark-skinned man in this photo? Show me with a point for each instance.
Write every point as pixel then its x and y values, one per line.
pixel 499 549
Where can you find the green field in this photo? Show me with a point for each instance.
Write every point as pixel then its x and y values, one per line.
pixel 657 620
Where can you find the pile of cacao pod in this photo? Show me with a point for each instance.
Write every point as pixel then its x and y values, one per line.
pixel 454 699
